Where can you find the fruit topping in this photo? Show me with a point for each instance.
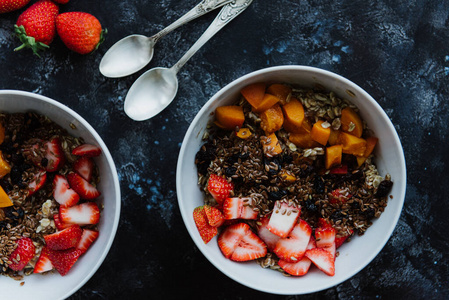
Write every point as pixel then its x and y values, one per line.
pixel 238 243
pixel 283 218
pixel 62 192
pixel 81 214
pixel 22 255
pixel 238 208
pixel 43 264
pixel 219 188
pixel 82 187
pixel 87 150
pixel 206 231
pixel 63 260
pixel 293 247
pixel 87 238
pixel 64 239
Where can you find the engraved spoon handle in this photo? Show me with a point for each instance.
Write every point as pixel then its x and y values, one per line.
pixel 200 9
pixel 226 14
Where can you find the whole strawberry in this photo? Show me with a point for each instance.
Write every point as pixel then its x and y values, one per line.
pixel 11 5
pixel 36 27
pixel 80 32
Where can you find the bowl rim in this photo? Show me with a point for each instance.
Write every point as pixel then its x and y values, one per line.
pixel 401 181
pixel 109 160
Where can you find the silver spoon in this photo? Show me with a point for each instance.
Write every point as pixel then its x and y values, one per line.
pixel 134 52
pixel 155 89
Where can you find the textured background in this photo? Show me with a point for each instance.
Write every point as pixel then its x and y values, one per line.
pixel 398 51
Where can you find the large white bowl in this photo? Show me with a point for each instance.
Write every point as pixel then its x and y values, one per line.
pixel 55 286
pixel 354 256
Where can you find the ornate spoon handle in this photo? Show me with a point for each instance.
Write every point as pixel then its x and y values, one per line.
pixel 227 13
pixel 200 9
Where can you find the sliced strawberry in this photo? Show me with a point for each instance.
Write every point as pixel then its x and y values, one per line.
pixel 87 238
pixel 325 239
pixel 37 182
pixel 54 155
pixel 339 240
pixel 43 264
pixel 82 187
pixel 63 260
pixel 238 243
pixel 267 236
pixel 312 243
pixel 325 236
pixel 22 254
pixel 293 247
pixel 339 196
pixel 214 216
pixel 87 150
pixel 219 188
pixel 239 208
pixel 207 232
pixel 323 223
pixel 322 259
pixel 62 192
pixel 81 214
pixel 283 218
pixel 85 167
pixel 343 169
pixel 299 268
pixel 60 225
pixel 64 239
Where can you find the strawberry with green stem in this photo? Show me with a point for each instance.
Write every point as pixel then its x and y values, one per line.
pixel 80 31
pixel 36 27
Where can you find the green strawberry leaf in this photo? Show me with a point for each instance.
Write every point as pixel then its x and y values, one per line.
pixel 28 41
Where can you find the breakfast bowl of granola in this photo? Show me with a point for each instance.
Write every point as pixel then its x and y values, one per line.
pixel 291 179
pixel 59 198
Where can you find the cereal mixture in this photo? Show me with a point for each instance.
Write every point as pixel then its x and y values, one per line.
pixel 348 196
pixel 23 163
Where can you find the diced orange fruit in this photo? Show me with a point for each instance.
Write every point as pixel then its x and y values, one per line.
pixel 333 137
pixel 254 93
pixel 306 126
pixel 303 140
pixel 272 148
pixel 5 168
pixel 267 102
pixel 244 133
pixel 281 91
pixel 5 201
pixel 360 160
pixel 319 133
pixel 333 156
pixel 272 119
pixel 351 122
pixel 352 144
pixel 229 117
pixel 287 176
pixel 294 112
pixel 370 144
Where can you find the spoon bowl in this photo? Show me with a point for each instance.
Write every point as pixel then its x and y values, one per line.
pixel 151 93
pixel 127 55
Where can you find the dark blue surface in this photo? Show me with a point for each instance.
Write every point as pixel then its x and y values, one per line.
pixel 398 51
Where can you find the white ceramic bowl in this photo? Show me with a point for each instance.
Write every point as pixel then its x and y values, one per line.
pixel 55 286
pixel 355 255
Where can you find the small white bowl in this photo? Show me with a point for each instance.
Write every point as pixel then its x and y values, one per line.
pixel 354 256
pixel 55 286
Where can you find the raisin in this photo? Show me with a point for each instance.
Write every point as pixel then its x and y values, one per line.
pixel 369 213
pixel 277 195
pixel 16 175
pixel 230 171
pixel 384 188
pixel 309 204
pixel 318 185
pixel 337 215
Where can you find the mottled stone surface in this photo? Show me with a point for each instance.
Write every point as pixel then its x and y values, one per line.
pixel 398 51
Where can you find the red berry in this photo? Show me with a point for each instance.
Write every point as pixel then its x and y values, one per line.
pixel 22 255
pixel 38 21
pixel 11 5
pixel 80 32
